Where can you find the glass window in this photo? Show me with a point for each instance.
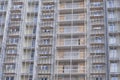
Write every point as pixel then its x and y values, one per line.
pixel 113 67
pixel 111 14
pixel 112 40
pixel 111 3
pixel 67 29
pixel 98 78
pixel 111 27
pixel 113 53
pixel 114 78
pixel 67 42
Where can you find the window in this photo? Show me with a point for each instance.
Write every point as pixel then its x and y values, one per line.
pixel 111 14
pixel 34 29
pixel 113 53
pixel 10 67
pixel 113 67
pixel 75 29
pixel 67 29
pixel 112 39
pixel 98 39
pixel 66 68
pixel 69 55
pixel 32 54
pixel 114 78
pixel 98 67
pixel 68 5
pixel 44 68
pixel 31 68
pixel 112 27
pixel 30 77
pixel 98 78
pixel 68 17
pixel 9 78
pixel 33 42
pixel 46 41
pixel 67 42
pixel 43 78
pixel 111 3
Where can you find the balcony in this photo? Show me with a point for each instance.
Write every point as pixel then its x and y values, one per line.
pixel 44 61
pixel 30 47
pixel 46 42
pixel 48 1
pixel 97 14
pixel 30 35
pixel 47 25
pixel 69 19
pixel 49 53
pixel 114 59
pixel 28 59
pixel 12 43
pixel 97 32
pixel 2 21
pixel 67 44
pixel 98 60
pixel 97 42
pixel 16 18
pixel 97 51
pixel 97 23
pixel 70 56
pixel 74 70
pixel 71 31
pixel 46 34
pixel 44 72
pixel 16 10
pixel 114 6
pixel 12 53
pixel 3 9
pixel 9 60
pixel 97 5
pixel 14 34
pixel 68 9
pixel 27 72
pixel 48 9
pixel 14 24
pixel 18 2
pixel 101 71
pixel 47 17
pixel 10 71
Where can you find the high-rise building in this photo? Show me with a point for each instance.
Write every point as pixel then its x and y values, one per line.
pixel 59 39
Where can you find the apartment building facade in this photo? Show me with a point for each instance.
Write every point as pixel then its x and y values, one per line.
pixel 59 39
